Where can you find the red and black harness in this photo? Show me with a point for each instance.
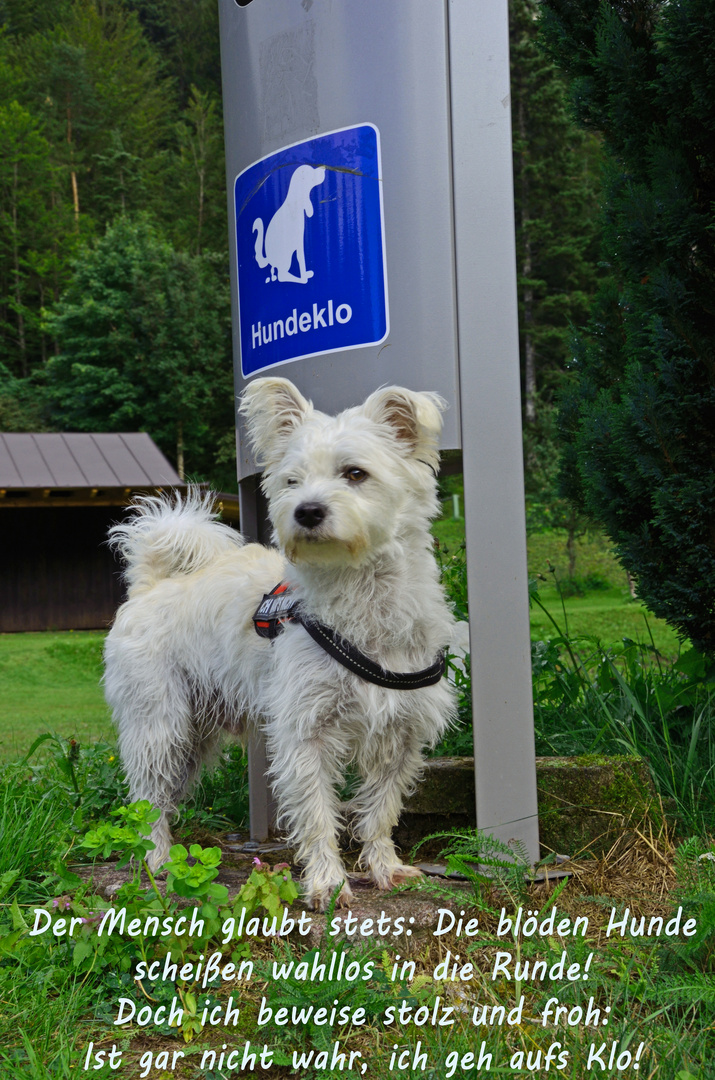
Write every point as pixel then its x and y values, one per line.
pixel 279 607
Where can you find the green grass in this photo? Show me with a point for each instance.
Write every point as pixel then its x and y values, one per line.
pixel 588 699
pixel 604 609
pixel 594 556
pixel 659 991
pixel 51 681
pixel 609 615
pixel 43 1011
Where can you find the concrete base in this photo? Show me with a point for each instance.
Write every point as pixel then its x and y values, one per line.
pixel 584 802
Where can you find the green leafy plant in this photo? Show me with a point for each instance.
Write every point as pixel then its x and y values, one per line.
pixel 191 875
pixel 453 570
pixel 221 798
pixel 197 879
pixel 695 893
pixel 308 996
pixel 610 699
pixel 268 888
pixel 129 839
pixel 88 776
pixel 488 863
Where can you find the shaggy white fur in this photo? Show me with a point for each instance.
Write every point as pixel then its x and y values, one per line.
pixel 351 498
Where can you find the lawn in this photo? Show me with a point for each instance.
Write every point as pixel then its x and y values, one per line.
pixel 455 996
pixel 598 602
pixel 658 991
pixel 50 681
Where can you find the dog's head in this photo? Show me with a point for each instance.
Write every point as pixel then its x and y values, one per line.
pixel 302 182
pixel 342 488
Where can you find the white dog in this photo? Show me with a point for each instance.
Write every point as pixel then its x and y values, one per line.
pixel 285 234
pixel 351 498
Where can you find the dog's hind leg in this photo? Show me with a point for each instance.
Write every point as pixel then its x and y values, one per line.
pixel 390 773
pixel 158 746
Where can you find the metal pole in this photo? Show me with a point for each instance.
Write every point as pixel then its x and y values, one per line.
pixel 255 525
pixel 505 772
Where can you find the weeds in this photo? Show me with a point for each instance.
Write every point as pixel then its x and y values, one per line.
pixel 491 866
pixel 623 699
pixel 85 946
pixel 616 699
pixel 34 834
pixel 588 698
pixel 221 798
pixel 660 994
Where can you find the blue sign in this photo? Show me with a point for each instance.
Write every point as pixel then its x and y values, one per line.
pixel 310 249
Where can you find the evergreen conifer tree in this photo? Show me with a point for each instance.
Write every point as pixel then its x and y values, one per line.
pixel 143 334
pixel 556 188
pixel 639 420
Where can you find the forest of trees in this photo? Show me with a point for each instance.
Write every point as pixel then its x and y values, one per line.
pixel 114 284
pixel 637 421
pixel 114 297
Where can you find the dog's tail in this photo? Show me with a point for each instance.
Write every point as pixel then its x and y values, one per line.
pixel 258 230
pixel 169 536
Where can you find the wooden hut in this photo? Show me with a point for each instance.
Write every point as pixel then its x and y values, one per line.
pixel 59 493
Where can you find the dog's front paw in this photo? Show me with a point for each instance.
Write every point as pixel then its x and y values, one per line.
pixel 318 897
pixel 404 873
pixel 384 864
pixel 387 877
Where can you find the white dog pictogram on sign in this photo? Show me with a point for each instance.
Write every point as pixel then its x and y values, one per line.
pixel 285 233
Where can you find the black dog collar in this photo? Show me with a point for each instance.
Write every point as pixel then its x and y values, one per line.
pixel 278 607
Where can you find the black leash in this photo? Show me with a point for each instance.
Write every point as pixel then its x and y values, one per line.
pixel 278 607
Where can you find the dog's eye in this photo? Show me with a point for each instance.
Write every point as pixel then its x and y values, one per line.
pixel 291 481
pixel 355 475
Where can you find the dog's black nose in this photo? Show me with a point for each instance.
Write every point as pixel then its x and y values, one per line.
pixel 309 514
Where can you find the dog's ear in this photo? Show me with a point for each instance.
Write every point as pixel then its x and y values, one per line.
pixel 415 418
pixel 273 409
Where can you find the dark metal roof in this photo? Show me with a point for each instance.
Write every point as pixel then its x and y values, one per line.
pixel 77 460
